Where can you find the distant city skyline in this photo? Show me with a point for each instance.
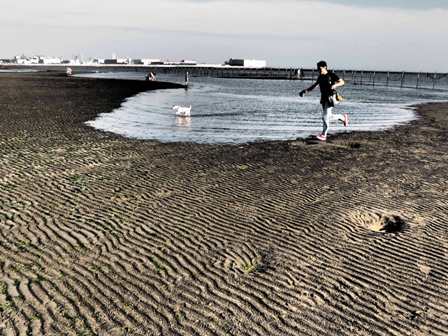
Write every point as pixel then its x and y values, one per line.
pixel 383 35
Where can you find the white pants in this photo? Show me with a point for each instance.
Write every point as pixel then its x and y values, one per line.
pixel 328 116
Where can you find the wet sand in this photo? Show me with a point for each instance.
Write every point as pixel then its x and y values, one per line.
pixel 102 235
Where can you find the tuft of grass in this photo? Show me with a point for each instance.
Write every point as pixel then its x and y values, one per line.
pixel 39 278
pixel 251 266
pixel 261 263
pixel 158 266
pixel 228 327
pixel 163 194
pixel 84 332
pixel 36 316
pixel 24 245
pixel 79 181
pixel 3 288
pixel 180 316
pixel 6 307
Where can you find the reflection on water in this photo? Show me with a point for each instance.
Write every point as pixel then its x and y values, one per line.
pixel 183 121
pixel 18 70
pixel 242 110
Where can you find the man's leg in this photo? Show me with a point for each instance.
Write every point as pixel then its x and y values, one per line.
pixel 341 117
pixel 326 117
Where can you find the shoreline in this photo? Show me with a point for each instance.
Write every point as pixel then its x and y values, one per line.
pixel 104 235
pixel 192 131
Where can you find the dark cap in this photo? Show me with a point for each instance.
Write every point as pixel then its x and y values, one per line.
pixel 321 64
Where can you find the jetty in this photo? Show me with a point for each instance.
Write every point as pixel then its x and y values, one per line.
pixel 402 79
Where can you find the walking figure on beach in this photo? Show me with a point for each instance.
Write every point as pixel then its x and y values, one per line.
pixel 151 76
pixel 328 81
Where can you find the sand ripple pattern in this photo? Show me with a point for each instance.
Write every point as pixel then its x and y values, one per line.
pixel 101 235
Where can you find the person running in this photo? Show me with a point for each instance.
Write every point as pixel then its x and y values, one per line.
pixel 328 81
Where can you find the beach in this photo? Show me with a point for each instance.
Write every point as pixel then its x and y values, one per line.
pixel 104 235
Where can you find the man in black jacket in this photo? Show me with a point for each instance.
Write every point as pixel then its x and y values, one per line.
pixel 328 81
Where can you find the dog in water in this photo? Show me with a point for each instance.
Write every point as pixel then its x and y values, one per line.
pixel 182 111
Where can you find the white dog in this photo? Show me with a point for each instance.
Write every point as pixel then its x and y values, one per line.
pixel 182 111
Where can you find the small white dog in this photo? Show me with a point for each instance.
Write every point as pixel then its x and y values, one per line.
pixel 182 111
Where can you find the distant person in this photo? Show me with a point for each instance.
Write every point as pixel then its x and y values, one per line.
pixel 151 76
pixel 328 81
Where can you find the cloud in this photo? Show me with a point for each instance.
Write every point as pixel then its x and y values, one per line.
pixel 399 4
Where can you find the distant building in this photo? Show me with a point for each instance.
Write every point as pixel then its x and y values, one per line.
pixel 188 62
pixel 152 61
pixel 76 61
pixel 27 60
pixel 7 61
pixel 110 61
pixel 123 60
pixel 50 60
pixel 92 61
pixel 21 59
pixel 182 62
pixel 247 63
pixel 35 60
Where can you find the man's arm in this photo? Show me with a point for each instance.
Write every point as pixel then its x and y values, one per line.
pixel 338 83
pixel 311 88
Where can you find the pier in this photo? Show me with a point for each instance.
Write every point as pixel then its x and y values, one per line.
pixel 401 79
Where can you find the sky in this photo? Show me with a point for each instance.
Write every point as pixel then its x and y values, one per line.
pixel 372 34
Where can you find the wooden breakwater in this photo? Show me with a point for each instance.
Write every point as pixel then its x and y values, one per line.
pixel 402 79
pixel 234 72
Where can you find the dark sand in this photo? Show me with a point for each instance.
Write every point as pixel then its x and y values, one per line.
pixel 102 235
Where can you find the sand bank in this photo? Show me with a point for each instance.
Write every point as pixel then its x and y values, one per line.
pixel 101 235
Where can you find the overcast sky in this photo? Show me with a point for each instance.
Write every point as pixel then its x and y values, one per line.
pixel 380 34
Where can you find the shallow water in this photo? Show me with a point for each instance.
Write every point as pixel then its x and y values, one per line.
pixel 245 110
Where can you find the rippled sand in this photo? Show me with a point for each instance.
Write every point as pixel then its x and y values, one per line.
pixel 101 235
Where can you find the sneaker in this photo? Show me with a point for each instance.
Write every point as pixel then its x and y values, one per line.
pixel 321 137
pixel 345 121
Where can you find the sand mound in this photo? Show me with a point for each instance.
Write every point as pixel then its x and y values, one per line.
pixel 380 222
